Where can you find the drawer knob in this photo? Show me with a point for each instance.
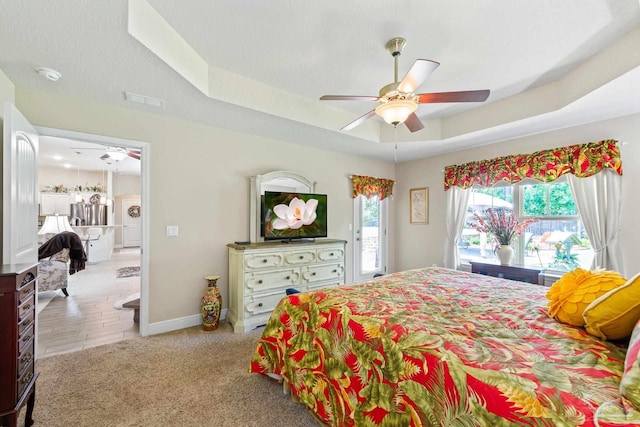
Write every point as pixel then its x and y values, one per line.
pixel 27 378
pixel 26 358
pixel 27 323
pixel 301 257
pixel 335 271
pixel 264 260
pixel 260 281
pixel 27 307
pixel 26 338
pixel 313 274
pixel 331 254
pixel 288 277
pixel 259 304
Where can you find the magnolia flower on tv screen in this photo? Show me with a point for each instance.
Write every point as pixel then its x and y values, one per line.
pixel 296 214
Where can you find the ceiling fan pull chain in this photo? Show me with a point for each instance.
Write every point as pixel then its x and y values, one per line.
pixel 395 151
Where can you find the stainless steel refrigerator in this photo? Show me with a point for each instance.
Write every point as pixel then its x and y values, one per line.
pixel 88 214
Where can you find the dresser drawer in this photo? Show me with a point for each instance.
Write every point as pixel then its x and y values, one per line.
pixel 24 378
pixel 323 272
pixel 300 257
pixel 25 358
pixel 262 304
pixel 330 254
pixel 263 261
pixel 26 307
pixel 25 340
pixel 25 322
pixel 267 280
pixel 26 292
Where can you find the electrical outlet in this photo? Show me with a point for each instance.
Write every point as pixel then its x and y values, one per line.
pixel 172 231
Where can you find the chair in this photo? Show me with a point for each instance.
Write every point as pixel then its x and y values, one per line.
pixel 91 235
pixel 53 272
pixel 59 257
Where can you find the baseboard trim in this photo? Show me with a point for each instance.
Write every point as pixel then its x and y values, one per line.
pixel 179 323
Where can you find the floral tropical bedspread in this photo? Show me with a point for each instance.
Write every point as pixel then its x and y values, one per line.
pixel 437 347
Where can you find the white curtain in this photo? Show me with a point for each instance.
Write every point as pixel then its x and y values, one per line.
pixel 598 199
pixel 457 201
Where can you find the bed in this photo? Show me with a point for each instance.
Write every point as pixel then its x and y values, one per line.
pixel 439 347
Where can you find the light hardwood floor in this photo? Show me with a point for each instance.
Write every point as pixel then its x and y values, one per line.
pixel 87 317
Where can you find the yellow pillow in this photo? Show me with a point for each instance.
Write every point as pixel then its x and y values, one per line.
pixel 613 315
pixel 570 295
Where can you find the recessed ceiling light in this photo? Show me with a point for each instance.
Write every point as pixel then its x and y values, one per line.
pixel 49 74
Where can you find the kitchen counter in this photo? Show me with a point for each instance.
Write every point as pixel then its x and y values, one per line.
pixel 99 247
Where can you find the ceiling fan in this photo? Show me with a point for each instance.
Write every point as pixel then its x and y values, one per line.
pixel 114 153
pixel 119 153
pixel 398 102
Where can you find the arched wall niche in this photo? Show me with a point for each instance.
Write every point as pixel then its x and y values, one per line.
pixel 273 181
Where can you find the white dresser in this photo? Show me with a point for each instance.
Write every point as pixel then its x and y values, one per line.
pixel 259 274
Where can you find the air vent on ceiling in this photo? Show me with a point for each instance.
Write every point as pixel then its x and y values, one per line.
pixel 143 99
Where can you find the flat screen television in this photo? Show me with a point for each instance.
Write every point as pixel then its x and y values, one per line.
pixel 293 216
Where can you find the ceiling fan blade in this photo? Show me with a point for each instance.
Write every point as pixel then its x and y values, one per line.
pixel 133 154
pixel 420 70
pixel 463 96
pixel 413 123
pixel 359 120
pixel 348 98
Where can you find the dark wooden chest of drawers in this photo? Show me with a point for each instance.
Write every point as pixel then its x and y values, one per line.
pixel 17 341
pixel 512 272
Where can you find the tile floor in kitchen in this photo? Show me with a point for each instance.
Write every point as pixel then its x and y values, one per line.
pixel 87 317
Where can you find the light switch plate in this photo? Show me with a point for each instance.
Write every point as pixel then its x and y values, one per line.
pixel 172 230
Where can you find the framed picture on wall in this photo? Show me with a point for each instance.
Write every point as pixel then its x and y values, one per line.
pixel 419 205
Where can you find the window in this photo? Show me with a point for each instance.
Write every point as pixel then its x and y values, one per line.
pixel 557 241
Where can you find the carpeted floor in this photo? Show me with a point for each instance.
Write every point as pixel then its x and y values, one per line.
pixel 184 378
pixel 128 272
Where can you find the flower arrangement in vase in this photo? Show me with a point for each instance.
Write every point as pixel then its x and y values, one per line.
pixel 504 226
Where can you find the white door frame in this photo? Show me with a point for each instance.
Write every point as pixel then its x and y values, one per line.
pixel 145 163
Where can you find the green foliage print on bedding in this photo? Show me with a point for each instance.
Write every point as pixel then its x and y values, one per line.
pixel 437 347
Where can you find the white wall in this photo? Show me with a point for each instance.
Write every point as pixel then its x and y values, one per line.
pixel 204 189
pixel 50 175
pixel 422 245
pixel 124 187
pixel 126 184
pixel 7 92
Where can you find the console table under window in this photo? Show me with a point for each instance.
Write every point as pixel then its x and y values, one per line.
pixel 512 272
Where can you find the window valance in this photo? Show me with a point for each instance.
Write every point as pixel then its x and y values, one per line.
pixel 581 160
pixel 369 186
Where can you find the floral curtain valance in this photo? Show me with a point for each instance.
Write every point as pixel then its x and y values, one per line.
pixel 369 186
pixel 582 160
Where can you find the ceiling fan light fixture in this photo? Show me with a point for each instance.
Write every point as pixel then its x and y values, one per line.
pixel 396 111
pixel 117 155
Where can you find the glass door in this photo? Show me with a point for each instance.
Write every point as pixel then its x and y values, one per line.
pixel 370 237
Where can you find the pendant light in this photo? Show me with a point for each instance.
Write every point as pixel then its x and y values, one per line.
pixel 78 197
